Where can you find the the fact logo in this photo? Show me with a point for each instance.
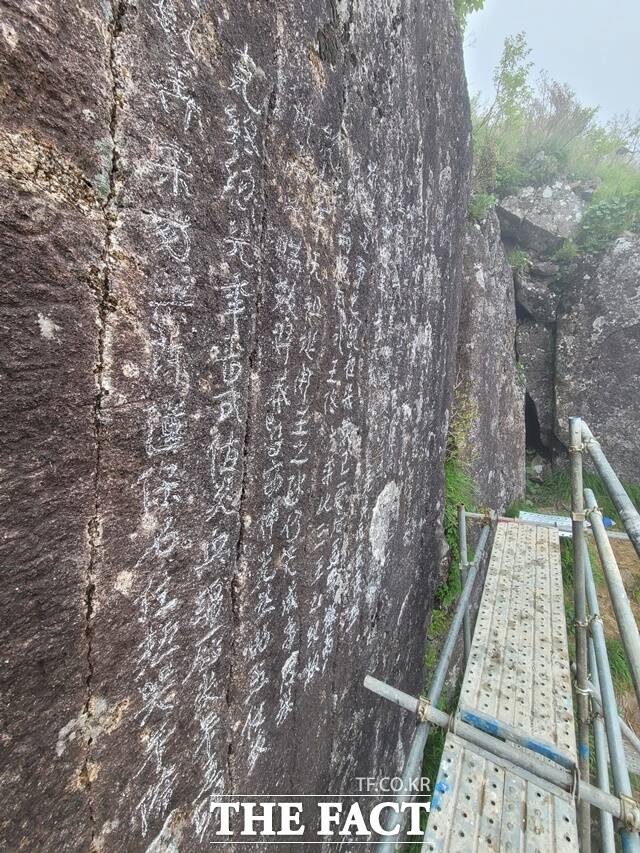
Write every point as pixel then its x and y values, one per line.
pixel 316 818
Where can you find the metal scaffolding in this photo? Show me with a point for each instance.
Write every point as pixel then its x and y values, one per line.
pixel 523 754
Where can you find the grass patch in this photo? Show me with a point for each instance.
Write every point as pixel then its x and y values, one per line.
pixel 566 564
pixel 521 505
pixel 518 259
pixel 555 493
pixel 596 566
pixel 459 489
pixel 479 206
pixel 622 681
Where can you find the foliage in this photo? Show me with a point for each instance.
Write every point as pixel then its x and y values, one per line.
pixel 596 566
pixel 521 505
pixel 618 664
pixel 533 135
pixel 566 562
pixel 463 9
pixel 458 488
pixel 567 253
pixel 521 376
pixel 518 259
pixel 480 204
pixel 605 220
pixel 554 493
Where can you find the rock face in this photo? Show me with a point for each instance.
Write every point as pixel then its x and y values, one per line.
pixel 537 222
pixel 487 386
pixel 232 248
pixel 540 219
pixel 598 354
pixel 578 327
pixel 536 348
pixel 534 297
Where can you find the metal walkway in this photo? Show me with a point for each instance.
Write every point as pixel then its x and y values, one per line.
pixel 518 672
pixel 511 777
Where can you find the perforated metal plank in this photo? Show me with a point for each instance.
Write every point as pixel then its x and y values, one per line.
pixel 518 671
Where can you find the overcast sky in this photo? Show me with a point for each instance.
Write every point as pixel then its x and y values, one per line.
pixel 593 45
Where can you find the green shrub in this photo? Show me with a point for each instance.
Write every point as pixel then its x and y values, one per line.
pixel 463 9
pixel 480 204
pixel 535 135
pixel 518 259
pixel 521 505
pixel 605 220
pixel 458 489
pixel 567 253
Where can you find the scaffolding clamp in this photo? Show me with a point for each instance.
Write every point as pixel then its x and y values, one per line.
pixel 578 516
pixel 423 705
pixel 595 617
pixel 575 782
pixel 629 812
pixel 594 713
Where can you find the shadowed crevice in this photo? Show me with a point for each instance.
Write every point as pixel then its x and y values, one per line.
pixel 105 306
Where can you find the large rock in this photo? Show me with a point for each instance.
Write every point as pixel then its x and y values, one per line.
pixel 488 392
pixel 231 252
pixel 539 219
pixel 535 345
pixel 55 159
pixel 535 299
pixel 598 354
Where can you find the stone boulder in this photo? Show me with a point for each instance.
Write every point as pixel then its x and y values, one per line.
pixel 231 243
pixel 539 219
pixel 488 389
pixel 534 297
pixel 535 346
pixel 598 354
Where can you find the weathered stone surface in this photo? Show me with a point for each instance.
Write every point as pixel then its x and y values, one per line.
pixel 535 346
pixel 487 386
pixel 535 296
pixel 543 269
pixel 229 350
pixel 54 154
pixel 540 219
pixel 598 354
